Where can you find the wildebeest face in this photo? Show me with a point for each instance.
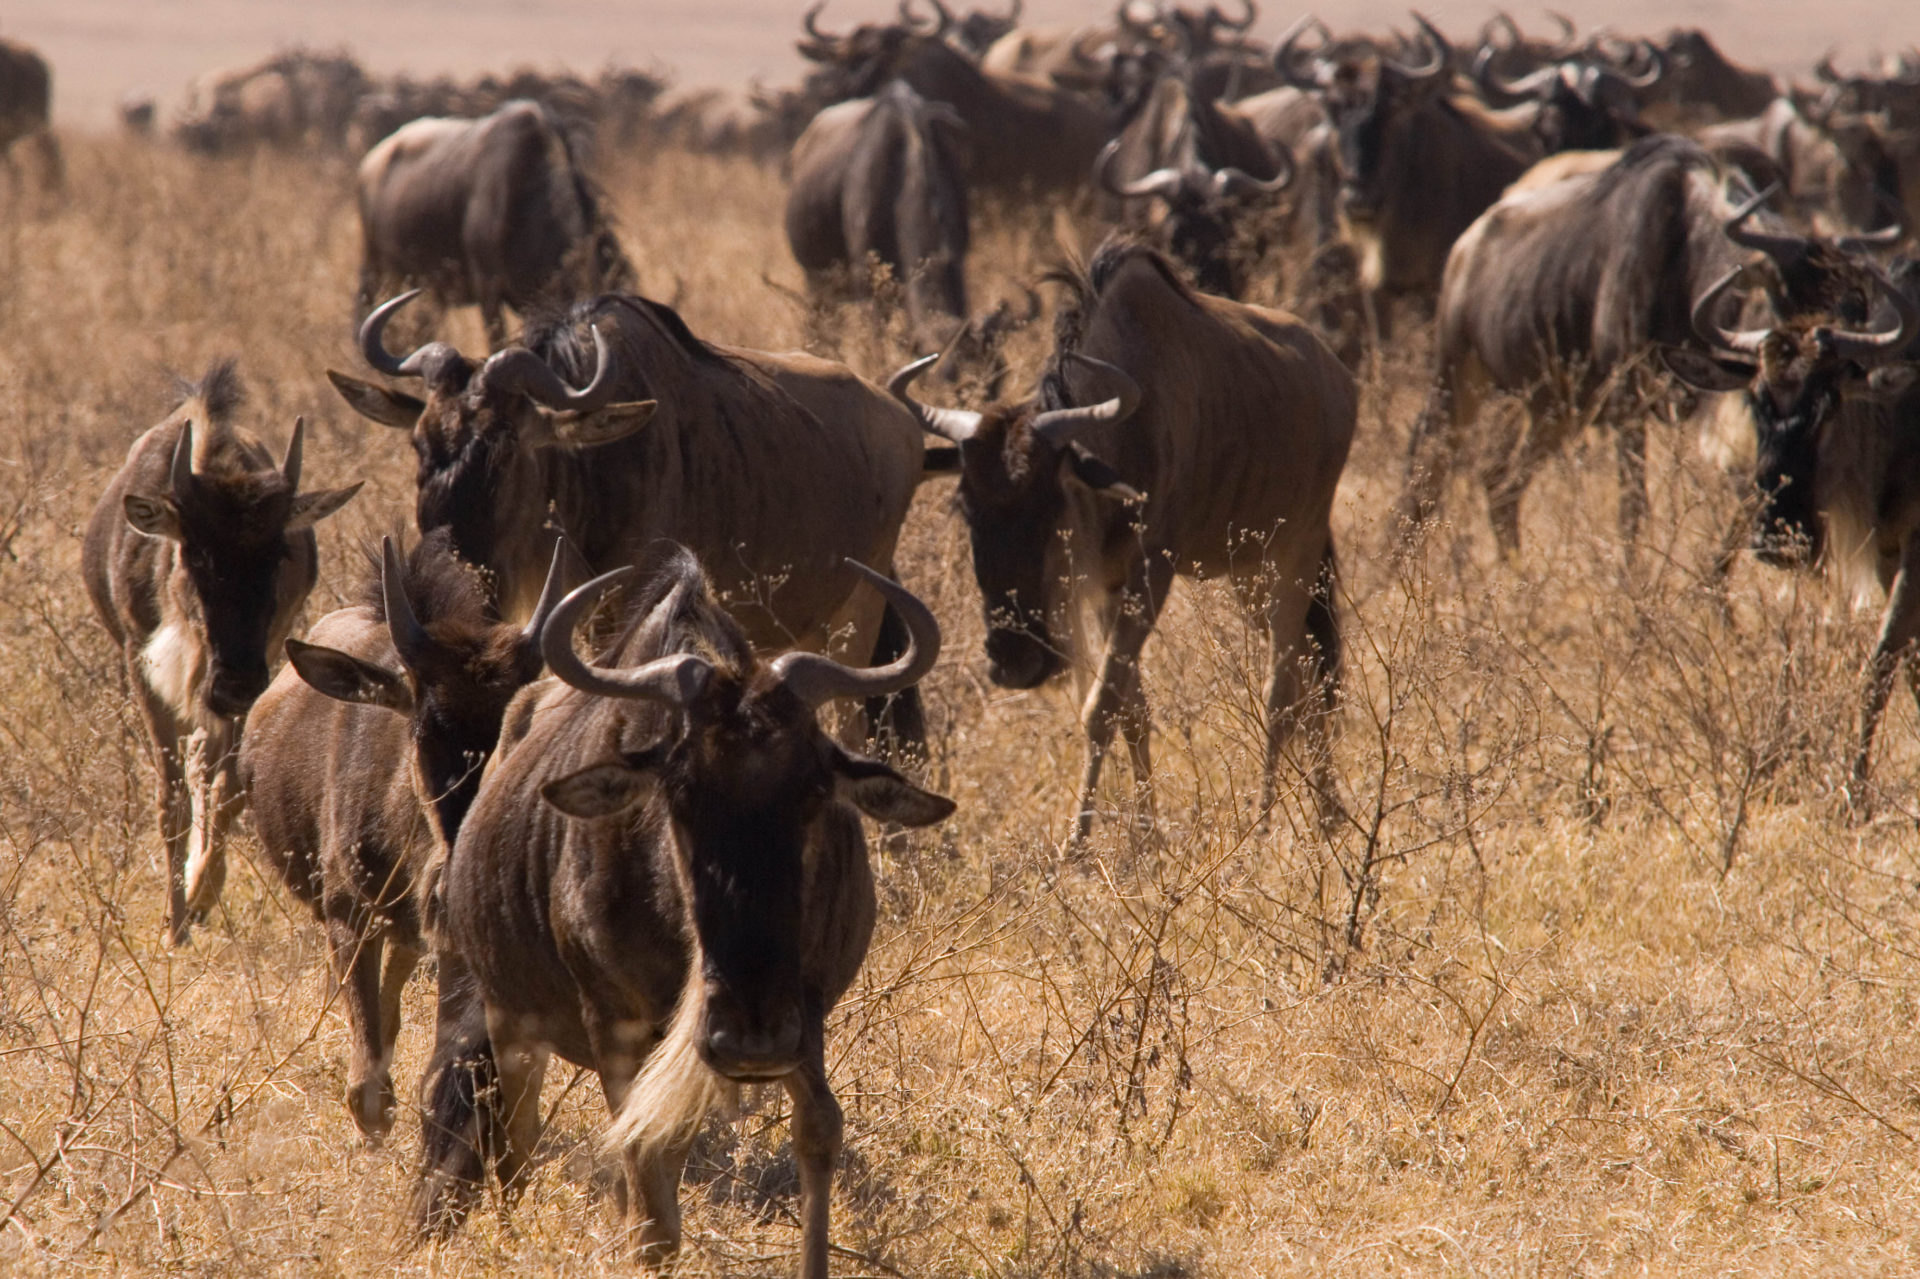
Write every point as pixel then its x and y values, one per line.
pixel 237 569
pixel 1362 102
pixel 1014 503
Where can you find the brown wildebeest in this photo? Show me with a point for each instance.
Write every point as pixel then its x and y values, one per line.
pixel 198 558
pixel 360 761
pixel 773 468
pixel 26 109
pixel 1558 294
pixel 1697 84
pixel 495 212
pixel 295 99
pixel 881 179
pixel 679 914
pixel 1837 166
pixel 1175 434
pixel 1836 417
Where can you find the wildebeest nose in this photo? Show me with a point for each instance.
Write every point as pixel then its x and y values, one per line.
pixel 234 694
pixel 770 1048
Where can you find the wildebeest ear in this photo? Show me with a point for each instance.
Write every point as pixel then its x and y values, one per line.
pixel 1706 372
pixel 601 790
pixel 569 429
pixel 1098 476
pixel 938 463
pixel 310 508
pixel 154 516
pixel 377 403
pixel 1890 381
pixel 886 796
pixel 346 678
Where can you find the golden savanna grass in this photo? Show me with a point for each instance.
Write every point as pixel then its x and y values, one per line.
pixel 1598 979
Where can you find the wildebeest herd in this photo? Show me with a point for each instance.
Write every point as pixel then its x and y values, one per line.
pixel 650 862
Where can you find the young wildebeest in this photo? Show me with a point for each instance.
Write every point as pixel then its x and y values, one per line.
pixel 1836 415
pixel 495 212
pixel 773 468
pixel 360 762
pixel 682 910
pixel 1218 454
pixel 198 557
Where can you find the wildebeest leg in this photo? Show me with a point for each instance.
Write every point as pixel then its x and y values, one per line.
pixel 1529 434
pixel 521 1068
pixel 1303 634
pixel 171 809
pixel 649 1195
pixel 213 780
pixel 896 725
pixel 459 1100
pixel 1117 700
pixel 354 952
pixel 1452 402
pixel 1630 455
pixel 1898 632
pixel 818 1125
pixel 493 318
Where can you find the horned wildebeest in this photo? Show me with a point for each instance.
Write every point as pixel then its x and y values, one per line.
pixel 1174 434
pixel 1697 84
pixel 293 99
pixel 359 763
pixel 1557 295
pixel 880 180
pixel 663 879
pixel 198 558
pixel 1836 418
pixel 1417 166
pixel 773 468
pixel 26 108
pixel 1572 104
pixel 1196 212
pixel 1835 165
pixel 494 212
pixel 1026 133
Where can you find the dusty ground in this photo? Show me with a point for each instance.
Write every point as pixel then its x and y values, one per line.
pixel 103 49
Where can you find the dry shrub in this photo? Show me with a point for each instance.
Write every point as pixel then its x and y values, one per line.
pixel 1594 977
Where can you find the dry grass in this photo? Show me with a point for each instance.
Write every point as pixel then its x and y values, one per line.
pixel 1596 981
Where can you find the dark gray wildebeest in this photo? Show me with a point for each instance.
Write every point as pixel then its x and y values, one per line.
pixel 494 212
pixel 1193 176
pixel 295 99
pixel 1836 419
pixel 1697 84
pixel 198 558
pixel 663 879
pixel 26 108
pixel 1174 434
pixel 1027 134
pixel 773 468
pixel 1417 165
pixel 360 762
pixel 881 181
pixel 1555 299
pixel 1836 166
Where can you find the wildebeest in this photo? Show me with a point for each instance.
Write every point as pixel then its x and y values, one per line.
pixel 198 558
pixel 360 761
pixel 495 212
pixel 880 181
pixel 294 99
pixel 1417 166
pixel 1174 434
pixel 1836 418
pixel 1697 85
pixel 26 108
pixel 1557 295
pixel 663 879
pixel 1836 166
pixel 773 468
pixel 1026 133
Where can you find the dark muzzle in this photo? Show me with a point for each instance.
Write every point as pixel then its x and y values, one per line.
pixel 1020 658
pixel 745 1048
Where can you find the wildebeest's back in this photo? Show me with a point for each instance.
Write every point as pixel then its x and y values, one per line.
pixel 1245 421
pixel 316 796
pixel 25 92
pixel 815 225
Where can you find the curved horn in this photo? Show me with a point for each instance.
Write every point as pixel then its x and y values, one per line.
pixel 1568 40
pixel 669 681
pixel 1492 84
pixel 957 425
pixel 180 473
pixel 549 598
pixel 1232 181
pixel 290 466
pixel 1060 426
pixel 1165 183
pixel 1442 54
pixel 809 23
pixel 1286 49
pixel 410 639
pixel 1708 330
pixel 1874 348
pixel 1501 21
pixel 518 369
pixel 816 680
pixel 373 349
pixel 1014 11
pixel 1781 248
pixel 1249 13
pixel 1823 70
pixel 1656 66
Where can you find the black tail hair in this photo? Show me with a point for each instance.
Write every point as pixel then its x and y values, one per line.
pixel 896 724
pixel 1323 628
pixel 461 1130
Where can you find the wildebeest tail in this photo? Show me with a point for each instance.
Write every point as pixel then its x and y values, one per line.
pixel 1323 629
pixel 897 724
pixel 603 265
pixel 676 1089
pixel 461 1129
